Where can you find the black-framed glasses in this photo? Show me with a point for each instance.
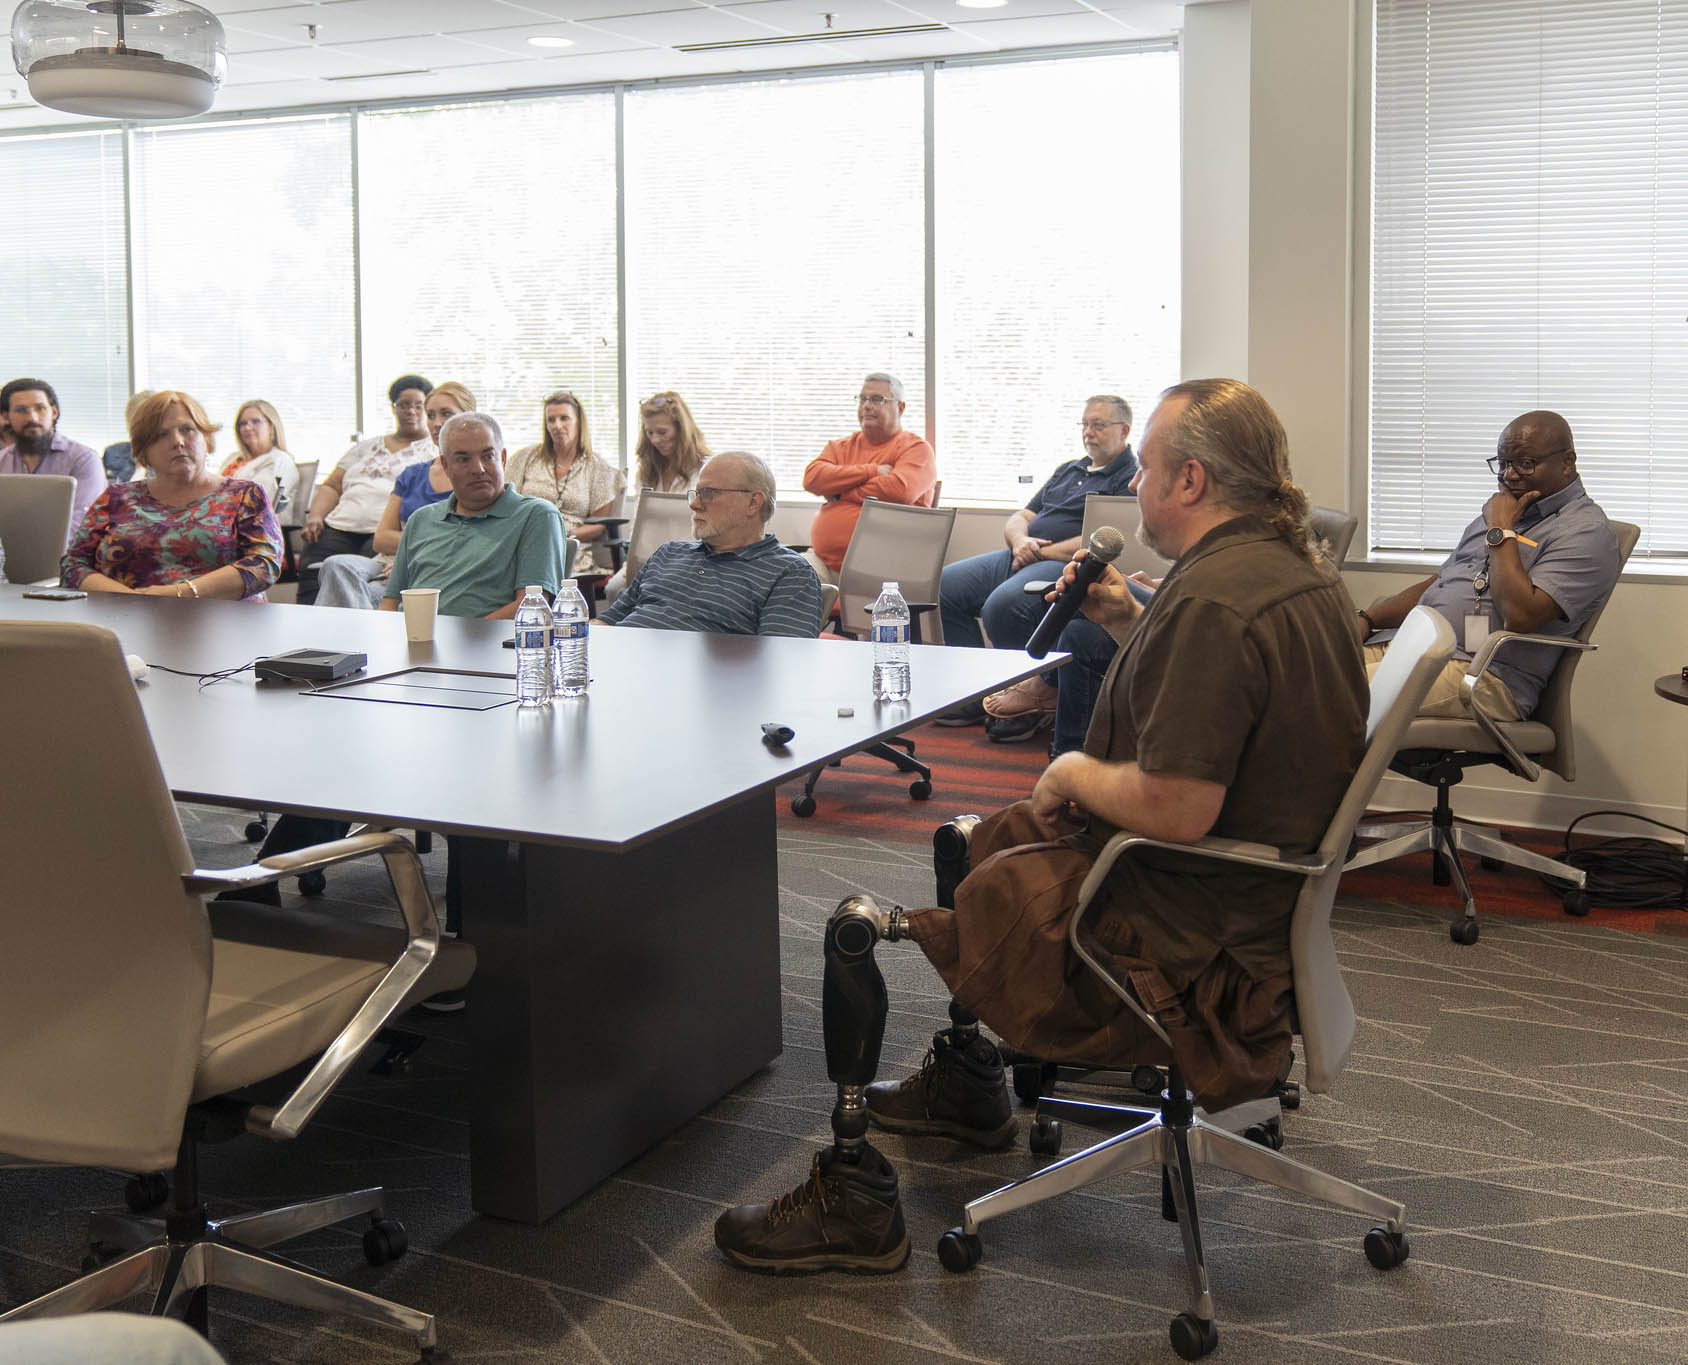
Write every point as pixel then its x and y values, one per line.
pixel 1099 426
pixel 1524 464
pixel 708 495
pixel 875 400
pixel 409 407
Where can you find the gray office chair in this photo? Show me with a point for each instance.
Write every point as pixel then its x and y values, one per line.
pixel 292 518
pixel 142 1022
pixel 1176 1136
pixel 1334 531
pixel 905 545
pixel 1437 752
pixel 35 524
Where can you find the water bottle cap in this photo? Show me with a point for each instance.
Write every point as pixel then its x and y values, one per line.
pixel 566 583
pixel 535 587
pixel 892 586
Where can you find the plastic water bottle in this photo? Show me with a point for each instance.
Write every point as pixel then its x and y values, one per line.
pixel 890 645
pixel 533 649
pixel 568 635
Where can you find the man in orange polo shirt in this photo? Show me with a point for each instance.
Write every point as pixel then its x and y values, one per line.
pixel 880 461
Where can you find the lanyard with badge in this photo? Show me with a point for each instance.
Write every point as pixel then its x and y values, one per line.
pixel 1477 621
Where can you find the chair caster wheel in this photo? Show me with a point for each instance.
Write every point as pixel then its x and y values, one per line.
pixel 256 830
pixel 99 1254
pixel 1147 1080
pixel 1191 1337
pixel 920 789
pixel 959 1251
pixel 1576 901
pixel 1289 1095
pixel 1028 1082
pixel 143 1193
pixel 1463 932
pixel 1267 1134
pixel 1046 1136
pixel 312 883
pixel 1386 1249
pixel 803 806
pixel 384 1240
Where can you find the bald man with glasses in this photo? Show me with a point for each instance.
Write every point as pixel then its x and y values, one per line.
pixel 1538 560
pixel 735 578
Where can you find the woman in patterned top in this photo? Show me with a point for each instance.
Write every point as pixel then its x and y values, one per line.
pixel 184 530
pixel 563 469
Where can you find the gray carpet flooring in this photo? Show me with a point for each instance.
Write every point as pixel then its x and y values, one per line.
pixel 1527 1098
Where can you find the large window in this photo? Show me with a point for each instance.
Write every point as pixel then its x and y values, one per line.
pixel 775 255
pixel 61 251
pixel 1009 229
pixel 243 273
pixel 1057 258
pixel 488 257
pixel 1530 250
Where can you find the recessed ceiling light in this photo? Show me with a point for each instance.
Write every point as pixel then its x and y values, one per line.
pixel 552 40
pixel 981 4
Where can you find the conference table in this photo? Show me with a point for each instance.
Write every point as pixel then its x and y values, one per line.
pixel 619 864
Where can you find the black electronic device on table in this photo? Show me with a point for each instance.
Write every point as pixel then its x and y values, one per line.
pixel 309 665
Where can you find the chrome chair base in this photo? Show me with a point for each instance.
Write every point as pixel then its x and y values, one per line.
pixel 226 1253
pixel 1177 1138
pixel 1396 839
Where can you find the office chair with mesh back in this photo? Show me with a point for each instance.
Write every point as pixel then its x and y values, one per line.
pixel 1175 1136
pixel 35 524
pixel 905 545
pixel 141 1022
pixel 1437 751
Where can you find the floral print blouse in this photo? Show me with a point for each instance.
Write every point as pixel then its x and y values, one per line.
pixel 131 537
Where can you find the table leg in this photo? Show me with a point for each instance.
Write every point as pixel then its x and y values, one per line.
pixel 618 995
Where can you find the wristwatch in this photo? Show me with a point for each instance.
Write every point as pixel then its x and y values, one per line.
pixel 1497 537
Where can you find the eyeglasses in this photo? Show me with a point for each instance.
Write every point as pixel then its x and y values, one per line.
pixel 1098 426
pixel 1525 465
pixel 409 407
pixel 875 400
pixel 708 495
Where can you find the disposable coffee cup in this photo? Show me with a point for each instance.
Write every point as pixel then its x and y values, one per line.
pixel 421 605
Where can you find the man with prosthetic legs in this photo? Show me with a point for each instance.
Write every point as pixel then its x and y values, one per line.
pixel 1235 707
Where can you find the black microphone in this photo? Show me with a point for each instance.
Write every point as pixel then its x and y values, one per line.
pixel 1105 546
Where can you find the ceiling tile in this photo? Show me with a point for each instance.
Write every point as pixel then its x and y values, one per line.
pixel 673 27
pixel 1049 30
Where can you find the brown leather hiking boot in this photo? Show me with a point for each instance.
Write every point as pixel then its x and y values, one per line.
pixel 845 1216
pixel 958 1092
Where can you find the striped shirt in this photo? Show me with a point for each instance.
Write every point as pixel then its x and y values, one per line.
pixel 761 589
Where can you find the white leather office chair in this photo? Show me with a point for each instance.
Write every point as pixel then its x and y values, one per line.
pixel 134 1015
pixel 1175 1136
pixel 292 518
pixel 35 524
pixel 1437 751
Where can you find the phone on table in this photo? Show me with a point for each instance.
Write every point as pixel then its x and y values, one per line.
pixel 55 594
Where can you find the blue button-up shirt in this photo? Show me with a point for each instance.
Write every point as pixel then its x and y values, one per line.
pixel 1574 561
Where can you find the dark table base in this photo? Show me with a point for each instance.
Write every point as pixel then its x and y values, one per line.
pixel 617 996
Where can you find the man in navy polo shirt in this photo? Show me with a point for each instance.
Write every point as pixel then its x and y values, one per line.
pixel 1044 532
pixel 735 578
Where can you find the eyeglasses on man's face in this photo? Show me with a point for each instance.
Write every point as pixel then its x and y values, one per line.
pixel 1099 426
pixel 1525 465
pixel 874 400
pixel 705 496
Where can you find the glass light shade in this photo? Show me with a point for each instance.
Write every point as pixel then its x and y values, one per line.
pixel 120 58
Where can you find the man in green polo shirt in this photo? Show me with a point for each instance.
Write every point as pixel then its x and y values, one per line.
pixel 483 545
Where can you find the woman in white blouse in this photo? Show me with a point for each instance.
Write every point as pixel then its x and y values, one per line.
pixel 565 471
pixel 260 454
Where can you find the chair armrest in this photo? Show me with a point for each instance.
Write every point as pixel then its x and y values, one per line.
pixel 614 523
pixel 1238 851
pixel 1478 668
pixel 421 947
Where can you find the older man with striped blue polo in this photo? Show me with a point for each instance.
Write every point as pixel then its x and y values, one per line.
pixel 735 578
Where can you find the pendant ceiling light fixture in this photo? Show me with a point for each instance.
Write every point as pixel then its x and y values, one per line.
pixel 120 58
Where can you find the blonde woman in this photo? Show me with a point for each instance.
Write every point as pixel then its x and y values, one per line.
pixel 671 450
pixel 357 580
pixel 563 469
pixel 260 454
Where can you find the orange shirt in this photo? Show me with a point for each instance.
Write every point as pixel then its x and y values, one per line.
pixel 847 473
